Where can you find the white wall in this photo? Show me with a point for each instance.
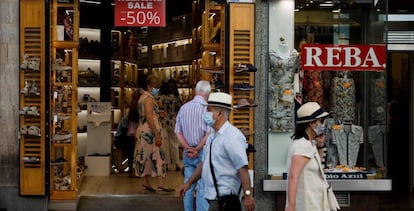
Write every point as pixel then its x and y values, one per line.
pixel 281 24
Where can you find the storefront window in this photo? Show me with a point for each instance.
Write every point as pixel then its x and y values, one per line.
pixel 356 130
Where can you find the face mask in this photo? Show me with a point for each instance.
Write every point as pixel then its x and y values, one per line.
pixel 154 91
pixel 319 130
pixel 208 118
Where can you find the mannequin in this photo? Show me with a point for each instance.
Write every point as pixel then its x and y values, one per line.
pixel 284 63
pixel 283 50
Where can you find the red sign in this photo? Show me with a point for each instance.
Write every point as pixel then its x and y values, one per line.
pixel 134 13
pixel 343 57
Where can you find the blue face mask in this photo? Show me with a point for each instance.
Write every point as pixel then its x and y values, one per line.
pixel 154 91
pixel 208 118
pixel 319 130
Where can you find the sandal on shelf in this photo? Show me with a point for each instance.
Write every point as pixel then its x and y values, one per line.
pixel 165 189
pixel 148 188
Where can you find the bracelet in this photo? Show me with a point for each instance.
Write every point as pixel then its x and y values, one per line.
pixel 318 147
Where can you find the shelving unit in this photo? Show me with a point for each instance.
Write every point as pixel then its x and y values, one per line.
pixel 32 98
pixel 64 175
pixel 209 43
pixel 241 51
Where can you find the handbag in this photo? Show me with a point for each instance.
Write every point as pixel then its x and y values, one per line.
pixel 227 202
pixel 132 127
pixel 332 202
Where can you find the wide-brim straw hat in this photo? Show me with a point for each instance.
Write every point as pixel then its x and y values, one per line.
pixel 220 99
pixel 309 112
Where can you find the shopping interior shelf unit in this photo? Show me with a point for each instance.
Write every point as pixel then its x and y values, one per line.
pixel 32 98
pixel 208 42
pixel 64 174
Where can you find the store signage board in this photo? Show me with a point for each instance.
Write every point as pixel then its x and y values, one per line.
pixel 343 57
pixel 138 13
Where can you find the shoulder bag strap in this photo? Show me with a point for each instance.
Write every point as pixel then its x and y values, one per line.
pixel 212 172
pixel 321 171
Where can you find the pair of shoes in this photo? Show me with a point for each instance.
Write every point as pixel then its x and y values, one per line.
pixel 148 188
pixel 242 86
pixel 238 68
pixel 165 189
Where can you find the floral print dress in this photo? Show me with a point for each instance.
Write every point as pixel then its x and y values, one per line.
pixel 148 158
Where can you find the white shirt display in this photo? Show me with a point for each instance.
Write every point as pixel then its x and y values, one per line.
pixel 347 142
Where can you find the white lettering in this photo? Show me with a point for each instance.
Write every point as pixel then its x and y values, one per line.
pixel 333 55
pixel 310 56
pixel 371 56
pixel 140 5
pixel 352 53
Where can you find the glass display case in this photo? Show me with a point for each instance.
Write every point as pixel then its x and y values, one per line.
pixel 356 129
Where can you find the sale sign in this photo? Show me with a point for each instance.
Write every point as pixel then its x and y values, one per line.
pixel 343 57
pixel 136 13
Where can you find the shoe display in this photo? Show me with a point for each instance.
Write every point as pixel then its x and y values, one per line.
pixel 23 130
pixel 88 78
pixel 238 68
pixel 30 110
pixel 250 149
pixel 242 86
pixel 32 160
pixel 33 130
pixel 245 103
pixel 246 132
pixel 62 137
pixel 30 63
pixel 30 88
pixel 85 100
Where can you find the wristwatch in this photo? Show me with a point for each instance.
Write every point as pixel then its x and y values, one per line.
pixel 247 193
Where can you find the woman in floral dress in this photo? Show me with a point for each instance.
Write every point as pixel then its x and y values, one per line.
pixel 149 157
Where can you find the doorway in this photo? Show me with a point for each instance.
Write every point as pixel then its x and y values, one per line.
pixel 400 120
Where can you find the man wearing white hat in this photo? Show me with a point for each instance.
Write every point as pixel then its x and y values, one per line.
pixel 224 169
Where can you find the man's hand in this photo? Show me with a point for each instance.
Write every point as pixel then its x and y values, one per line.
pixel 183 189
pixel 192 152
pixel 320 140
pixel 248 203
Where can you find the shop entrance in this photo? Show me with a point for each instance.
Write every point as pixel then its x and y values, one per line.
pixel 400 117
pixel 129 57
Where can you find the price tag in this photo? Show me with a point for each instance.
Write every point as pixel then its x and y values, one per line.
pixel 140 13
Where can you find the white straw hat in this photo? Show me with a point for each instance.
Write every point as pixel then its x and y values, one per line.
pixel 309 112
pixel 220 99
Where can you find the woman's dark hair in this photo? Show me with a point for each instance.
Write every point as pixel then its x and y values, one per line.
pixel 300 131
pixel 165 89
pixel 133 114
pixel 173 87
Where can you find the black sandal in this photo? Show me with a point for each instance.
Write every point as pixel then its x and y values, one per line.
pixel 148 188
pixel 165 189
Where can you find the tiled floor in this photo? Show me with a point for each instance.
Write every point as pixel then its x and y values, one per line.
pixel 119 192
pixel 121 185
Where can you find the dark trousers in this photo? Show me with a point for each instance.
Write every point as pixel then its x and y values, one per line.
pixel 127 145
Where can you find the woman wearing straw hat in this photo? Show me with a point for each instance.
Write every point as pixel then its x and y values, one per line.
pixel 306 187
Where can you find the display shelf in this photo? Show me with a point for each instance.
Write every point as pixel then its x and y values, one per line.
pixel 241 51
pixel 208 44
pixel 32 115
pixel 63 100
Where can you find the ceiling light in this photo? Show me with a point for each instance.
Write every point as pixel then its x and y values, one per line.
pixel 326 5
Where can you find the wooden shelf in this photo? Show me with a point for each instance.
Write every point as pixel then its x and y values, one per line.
pixel 65 44
pixel 64 100
pixel 32 148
